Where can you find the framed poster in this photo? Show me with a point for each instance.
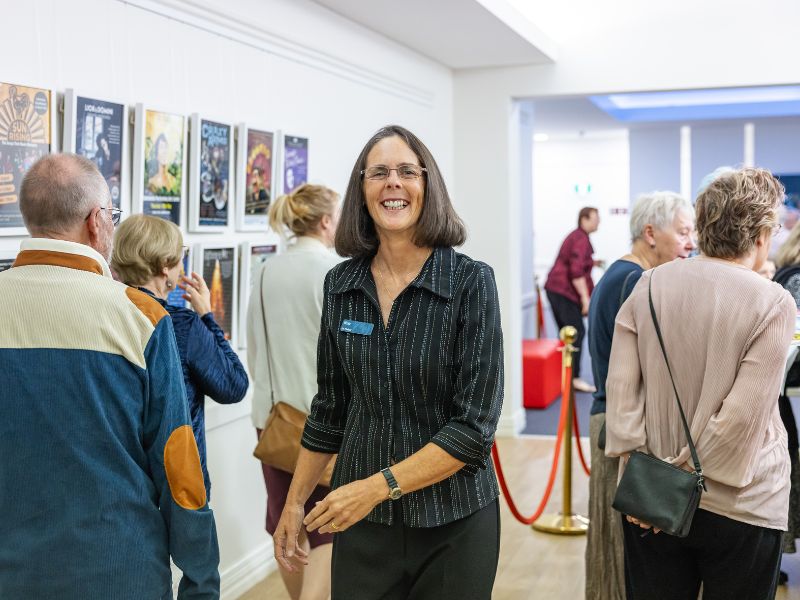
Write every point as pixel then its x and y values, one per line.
pixel 175 297
pixel 7 260
pixel 295 162
pixel 256 177
pixel 159 164
pixel 27 126
pixel 98 130
pixel 218 263
pixel 253 256
pixel 210 193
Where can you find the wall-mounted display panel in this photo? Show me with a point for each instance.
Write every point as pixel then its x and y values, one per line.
pixel 218 265
pixel 210 186
pixel 295 162
pixel 98 130
pixel 27 132
pixel 253 257
pixel 256 176
pixel 159 164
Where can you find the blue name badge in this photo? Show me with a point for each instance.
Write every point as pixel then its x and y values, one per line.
pixel 356 327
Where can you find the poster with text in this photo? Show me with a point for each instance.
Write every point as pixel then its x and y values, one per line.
pixel 259 254
pixel 175 297
pixel 219 272
pixel 25 136
pixel 100 134
pixel 215 157
pixel 6 264
pixel 163 165
pixel 258 175
pixel 295 162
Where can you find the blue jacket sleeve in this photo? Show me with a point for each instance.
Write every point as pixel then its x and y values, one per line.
pixel 213 365
pixel 175 469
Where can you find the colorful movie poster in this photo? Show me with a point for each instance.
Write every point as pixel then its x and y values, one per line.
pixel 163 165
pixel 215 157
pixel 258 175
pixel 218 271
pixel 258 256
pixel 175 297
pixel 6 264
pixel 99 136
pixel 25 137
pixel 295 163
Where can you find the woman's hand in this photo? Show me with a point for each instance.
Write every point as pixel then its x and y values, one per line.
pixel 347 505
pixel 641 524
pixel 197 293
pixel 288 552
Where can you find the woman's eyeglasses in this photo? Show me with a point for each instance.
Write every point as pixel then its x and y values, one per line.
pixel 381 172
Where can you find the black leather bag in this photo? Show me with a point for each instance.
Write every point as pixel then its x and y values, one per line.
pixel 654 491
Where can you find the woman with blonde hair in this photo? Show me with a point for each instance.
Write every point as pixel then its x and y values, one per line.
pixel 283 325
pixel 148 252
pixel 725 330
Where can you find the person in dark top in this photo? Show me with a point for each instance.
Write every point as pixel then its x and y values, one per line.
pixel 662 229
pixel 147 254
pixel 569 285
pixel 410 387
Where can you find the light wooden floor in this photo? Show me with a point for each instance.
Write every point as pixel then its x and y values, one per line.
pixel 536 565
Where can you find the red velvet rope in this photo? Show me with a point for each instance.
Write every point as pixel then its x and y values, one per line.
pixel 585 466
pixel 552 478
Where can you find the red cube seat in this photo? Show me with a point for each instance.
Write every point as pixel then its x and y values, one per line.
pixel 541 372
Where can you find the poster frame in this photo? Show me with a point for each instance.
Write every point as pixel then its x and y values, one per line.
pixel 199 251
pixel 190 262
pixel 242 130
pixel 137 181
pixel 244 281
pixel 54 146
pixel 194 225
pixel 284 136
pixel 69 133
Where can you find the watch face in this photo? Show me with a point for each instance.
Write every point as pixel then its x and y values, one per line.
pixel 395 493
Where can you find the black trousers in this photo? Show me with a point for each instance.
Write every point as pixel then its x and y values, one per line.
pixel 566 312
pixel 456 561
pixel 733 561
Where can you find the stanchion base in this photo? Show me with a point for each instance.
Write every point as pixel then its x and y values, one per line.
pixel 561 524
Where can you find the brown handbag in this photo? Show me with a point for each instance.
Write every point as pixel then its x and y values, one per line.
pixel 279 444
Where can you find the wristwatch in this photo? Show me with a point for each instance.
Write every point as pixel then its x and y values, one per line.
pixel 394 490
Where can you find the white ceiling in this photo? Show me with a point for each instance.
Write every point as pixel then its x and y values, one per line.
pixel 461 34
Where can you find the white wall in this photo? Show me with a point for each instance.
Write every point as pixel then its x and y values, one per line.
pixel 289 64
pixel 600 161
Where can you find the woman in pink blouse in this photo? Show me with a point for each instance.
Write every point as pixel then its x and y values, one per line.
pixel 726 332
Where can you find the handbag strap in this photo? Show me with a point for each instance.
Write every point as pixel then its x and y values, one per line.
pixel 266 336
pixel 692 450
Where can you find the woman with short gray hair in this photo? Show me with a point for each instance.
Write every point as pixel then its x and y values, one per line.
pixel 662 229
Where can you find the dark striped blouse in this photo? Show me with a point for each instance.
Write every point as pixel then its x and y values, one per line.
pixel 435 374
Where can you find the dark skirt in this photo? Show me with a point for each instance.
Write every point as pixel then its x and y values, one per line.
pixel 278 483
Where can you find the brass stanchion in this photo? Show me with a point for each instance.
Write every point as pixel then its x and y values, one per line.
pixel 566 522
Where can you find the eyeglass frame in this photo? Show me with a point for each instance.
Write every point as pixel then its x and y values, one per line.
pixel 776 229
pixel 116 214
pixel 389 171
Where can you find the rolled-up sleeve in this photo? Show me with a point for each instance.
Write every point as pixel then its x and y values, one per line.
pixel 324 429
pixel 478 399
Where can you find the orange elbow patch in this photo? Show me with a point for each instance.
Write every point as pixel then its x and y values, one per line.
pixel 182 464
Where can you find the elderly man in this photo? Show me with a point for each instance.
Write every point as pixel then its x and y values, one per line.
pixel 100 479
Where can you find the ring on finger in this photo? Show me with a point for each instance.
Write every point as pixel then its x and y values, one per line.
pixel 334 526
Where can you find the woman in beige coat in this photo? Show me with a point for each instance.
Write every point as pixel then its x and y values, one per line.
pixel 726 332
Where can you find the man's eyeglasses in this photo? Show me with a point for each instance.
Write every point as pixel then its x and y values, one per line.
pixel 380 172
pixel 116 214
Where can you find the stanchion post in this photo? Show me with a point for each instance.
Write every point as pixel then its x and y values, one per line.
pixel 566 522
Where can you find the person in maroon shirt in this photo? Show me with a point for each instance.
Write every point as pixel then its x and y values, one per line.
pixel 569 285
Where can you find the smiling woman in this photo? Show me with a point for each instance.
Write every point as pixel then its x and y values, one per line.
pixel 410 378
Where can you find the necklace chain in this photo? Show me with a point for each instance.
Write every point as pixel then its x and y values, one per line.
pixel 412 274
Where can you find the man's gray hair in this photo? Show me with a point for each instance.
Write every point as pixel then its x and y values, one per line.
pixel 657 209
pixel 59 191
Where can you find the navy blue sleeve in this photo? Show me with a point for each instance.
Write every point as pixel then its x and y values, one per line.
pixel 213 365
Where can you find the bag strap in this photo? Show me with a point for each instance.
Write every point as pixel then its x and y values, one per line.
pixel 266 336
pixel 622 291
pixel 692 450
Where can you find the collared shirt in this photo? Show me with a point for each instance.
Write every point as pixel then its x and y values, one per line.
pixel 574 261
pixel 435 374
